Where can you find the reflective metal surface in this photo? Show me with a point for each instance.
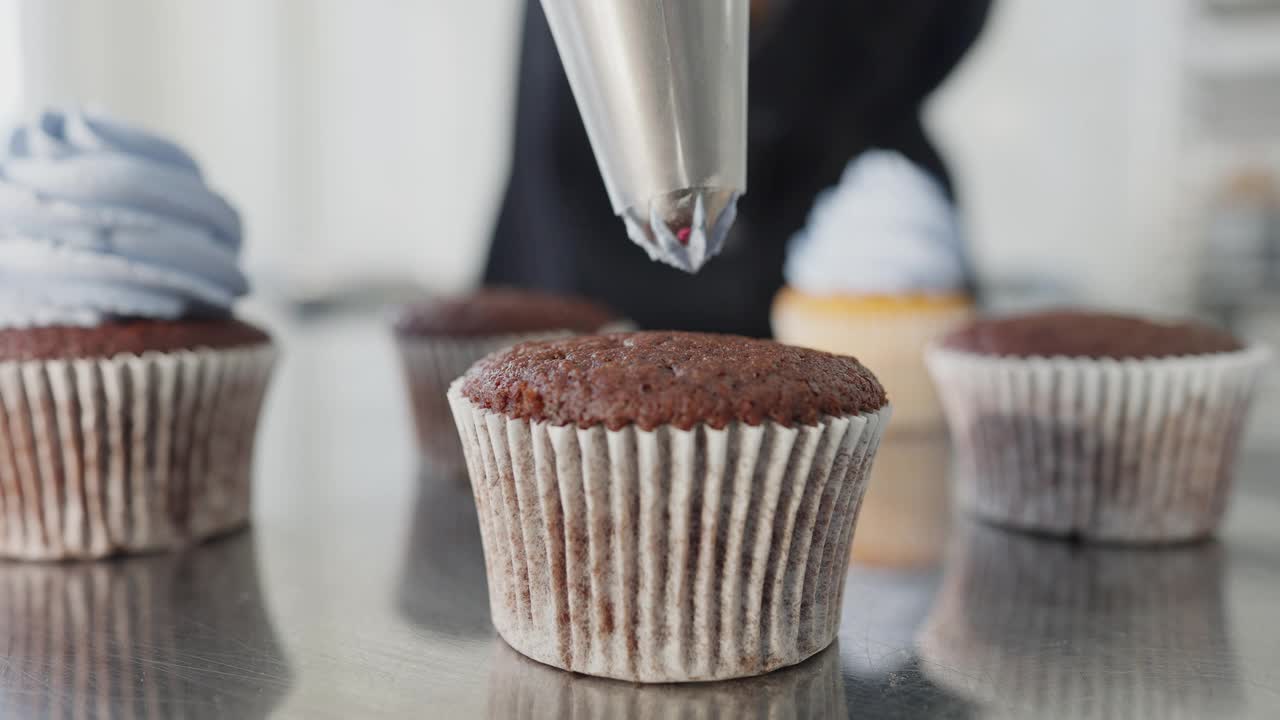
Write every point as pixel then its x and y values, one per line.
pixel 361 594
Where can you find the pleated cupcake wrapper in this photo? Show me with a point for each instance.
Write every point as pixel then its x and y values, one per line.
pixel 522 688
pixel 666 555
pixel 1039 628
pixel 1130 451
pixel 431 364
pixel 127 454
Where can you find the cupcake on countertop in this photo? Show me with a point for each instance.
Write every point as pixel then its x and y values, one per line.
pixel 1101 426
pixel 665 506
pixel 880 271
pixel 129 395
pixel 440 338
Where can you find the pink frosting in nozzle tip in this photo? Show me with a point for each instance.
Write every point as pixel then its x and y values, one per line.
pixel 683 235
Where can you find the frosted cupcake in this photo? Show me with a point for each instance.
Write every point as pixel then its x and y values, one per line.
pixel 440 338
pixel 667 507
pixel 880 271
pixel 129 395
pixel 1097 426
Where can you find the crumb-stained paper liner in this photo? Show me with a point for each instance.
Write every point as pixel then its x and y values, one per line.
pixel 666 555
pixel 127 454
pixel 432 363
pixel 1113 450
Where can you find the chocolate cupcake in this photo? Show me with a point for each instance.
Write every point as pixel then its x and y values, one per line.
pixel 667 507
pixel 441 338
pixel 1104 427
pixel 129 396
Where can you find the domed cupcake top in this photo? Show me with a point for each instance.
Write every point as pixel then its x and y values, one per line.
pixel 502 311
pixel 1076 333
pixel 99 220
pixel 670 378
pixel 887 228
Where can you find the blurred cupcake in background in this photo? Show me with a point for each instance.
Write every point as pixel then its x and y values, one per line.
pixel 440 338
pixel 129 394
pixel 1097 426
pixel 1030 627
pixel 879 272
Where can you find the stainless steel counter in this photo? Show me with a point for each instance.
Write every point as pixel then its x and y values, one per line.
pixel 360 593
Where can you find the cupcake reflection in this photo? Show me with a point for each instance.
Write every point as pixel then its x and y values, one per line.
pixel 519 687
pixel 167 636
pixel 443 587
pixel 883 677
pixel 1034 625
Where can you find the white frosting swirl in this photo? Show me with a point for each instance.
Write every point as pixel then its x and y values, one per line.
pixel 887 228
pixel 99 221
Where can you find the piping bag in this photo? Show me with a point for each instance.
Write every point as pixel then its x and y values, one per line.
pixel 662 89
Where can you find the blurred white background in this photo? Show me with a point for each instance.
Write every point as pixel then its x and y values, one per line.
pixel 370 139
pixel 358 138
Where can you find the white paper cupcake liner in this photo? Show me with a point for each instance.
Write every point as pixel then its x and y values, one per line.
pixel 522 688
pixel 127 454
pixel 1111 450
pixel 666 555
pixel 1030 627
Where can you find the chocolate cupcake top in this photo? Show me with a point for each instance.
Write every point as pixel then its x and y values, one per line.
pixel 124 336
pixel 501 311
pixel 1074 333
pixel 670 378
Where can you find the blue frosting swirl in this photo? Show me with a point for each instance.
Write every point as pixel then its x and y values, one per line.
pixel 99 220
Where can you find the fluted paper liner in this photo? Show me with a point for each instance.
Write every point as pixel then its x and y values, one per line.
pixel 522 688
pixel 1116 450
pixel 667 555
pixel 432 363
pixel 127 454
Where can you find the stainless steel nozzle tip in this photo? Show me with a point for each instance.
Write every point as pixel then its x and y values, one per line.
pixel 685 228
